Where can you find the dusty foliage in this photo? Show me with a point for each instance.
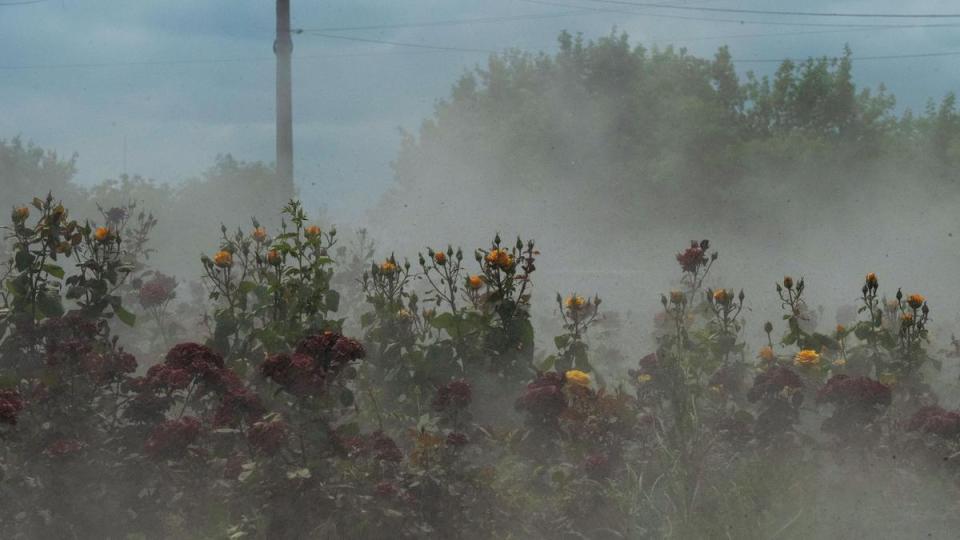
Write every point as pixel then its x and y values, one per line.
pixel 436 418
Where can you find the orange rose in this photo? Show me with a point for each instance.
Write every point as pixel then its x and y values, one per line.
pixel 102 234
pixel 475 282
pixel 223 259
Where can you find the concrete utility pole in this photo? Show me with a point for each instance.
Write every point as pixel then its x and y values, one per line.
pixel 283 47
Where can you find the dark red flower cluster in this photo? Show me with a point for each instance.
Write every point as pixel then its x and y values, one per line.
pixel 237 406
pixel 157 291
pixel 109 367
pixel 544 397
pixel 773 381
pixel 649 365
pixel 268 437
pixel 331 350
pixel 694 256
pixel 164 376
pixel 385 489
pixel 197 359
pixel 10 406
pixel 597 465
pixel 354 446
pixel 454 395
pixel 172 437
pixel 189 362
pixel 115 215
pixel 68 339
pixel 316 360
pixel 457 440
pixel 384 448
pixel 936 420
pixel 64 448
pixel 233 467
pixel 845 391
pixel 146 407
pixel 727 378
pixel 296 373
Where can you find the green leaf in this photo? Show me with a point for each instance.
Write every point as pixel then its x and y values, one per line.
pixel 443 321
pixel 125 316
pixel 54 270
pixel 561 341
pixel 548 363
pixel 246 287
pixel 303 473
pixel 50 305
pixel 22 260
pixel 346 397
pixel 333 300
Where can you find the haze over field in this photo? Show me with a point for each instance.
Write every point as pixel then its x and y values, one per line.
pixel 251 371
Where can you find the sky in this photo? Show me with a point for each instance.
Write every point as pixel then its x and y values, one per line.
pixel 177 82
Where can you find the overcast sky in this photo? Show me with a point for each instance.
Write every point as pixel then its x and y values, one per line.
pixel 351 97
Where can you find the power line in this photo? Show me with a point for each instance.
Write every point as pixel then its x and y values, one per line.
pixel 854 58
pixel 401 44
pixel 92 65
pixel 452 22
pixel 577 10
pixel 740 21
pixel 431 49
pixel 782 13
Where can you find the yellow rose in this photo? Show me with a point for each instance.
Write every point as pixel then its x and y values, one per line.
pixel 807 357
pixel 388 267
pixel 259 234
pixel 577 377
pixel 916 300
pixel 575 302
